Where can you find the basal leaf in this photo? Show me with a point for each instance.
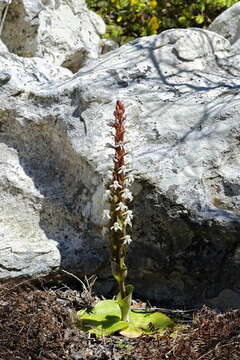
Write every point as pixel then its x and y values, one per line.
pixel 107 307
pixel 147 320
pixel 105 319
pixel 142 322
pixel 109 328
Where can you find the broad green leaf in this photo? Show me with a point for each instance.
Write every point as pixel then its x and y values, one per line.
pixel 104 320
pixel 131 331
pixel 146 321
pixel 107 307
pixel 109 328
pixel 142 322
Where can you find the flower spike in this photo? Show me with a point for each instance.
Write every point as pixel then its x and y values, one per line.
pixel 117 193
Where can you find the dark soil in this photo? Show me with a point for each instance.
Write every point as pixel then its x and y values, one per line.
pixel 39 324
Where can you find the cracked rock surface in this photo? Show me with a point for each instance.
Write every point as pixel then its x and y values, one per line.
pixel 65 32
pixel 181 92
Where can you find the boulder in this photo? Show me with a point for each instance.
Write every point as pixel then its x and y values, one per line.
pixel 64 31
pixel 3 47
pixel 25 249
pixel 227 24
pixel 181 92
pixel 226 300
pixel 3 4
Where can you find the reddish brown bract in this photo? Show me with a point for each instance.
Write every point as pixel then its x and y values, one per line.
pixel 119 141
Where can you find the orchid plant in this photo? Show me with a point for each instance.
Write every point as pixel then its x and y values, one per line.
pixel 118 195
pixel 111 316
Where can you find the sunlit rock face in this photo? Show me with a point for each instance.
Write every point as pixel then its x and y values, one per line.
pixel 227 24
pixel 3 47
pixel 181 93
pixel 65 32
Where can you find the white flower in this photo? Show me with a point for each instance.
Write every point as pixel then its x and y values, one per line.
pixel 129 179
pixel 126 194
pixel 106 214
pixel 116 227
pixel 119 145
pixel 116 185
pixel 121 206
pixel 129 214
pixel 107 195
pixel 122 169
pixel 128 219
pixel 126 240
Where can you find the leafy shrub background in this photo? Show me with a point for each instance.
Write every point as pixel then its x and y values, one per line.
pixel 129 19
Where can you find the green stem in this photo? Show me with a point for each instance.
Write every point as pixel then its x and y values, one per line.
pixel 119 270
pixel 122 288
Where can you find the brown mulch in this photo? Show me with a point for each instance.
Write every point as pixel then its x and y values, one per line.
pixel 39 324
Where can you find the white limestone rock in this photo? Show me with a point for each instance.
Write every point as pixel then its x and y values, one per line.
pixel 227 24
pixel 25 249
pixel 63 31
pixel 181 92
pixel 3 47
pixel 109 45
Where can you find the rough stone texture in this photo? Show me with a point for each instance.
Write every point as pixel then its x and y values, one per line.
pixel 226 300
pixel 227 24
pixel 25 249
pixel 63 31
pixel 181 91
pixel 3 4
pixel 109 45
pixel 3 47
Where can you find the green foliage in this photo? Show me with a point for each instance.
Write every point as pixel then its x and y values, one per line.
pixel 105 319
pixel 142 322
pixel 110 316
pixel 125 303
pixel 128 19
